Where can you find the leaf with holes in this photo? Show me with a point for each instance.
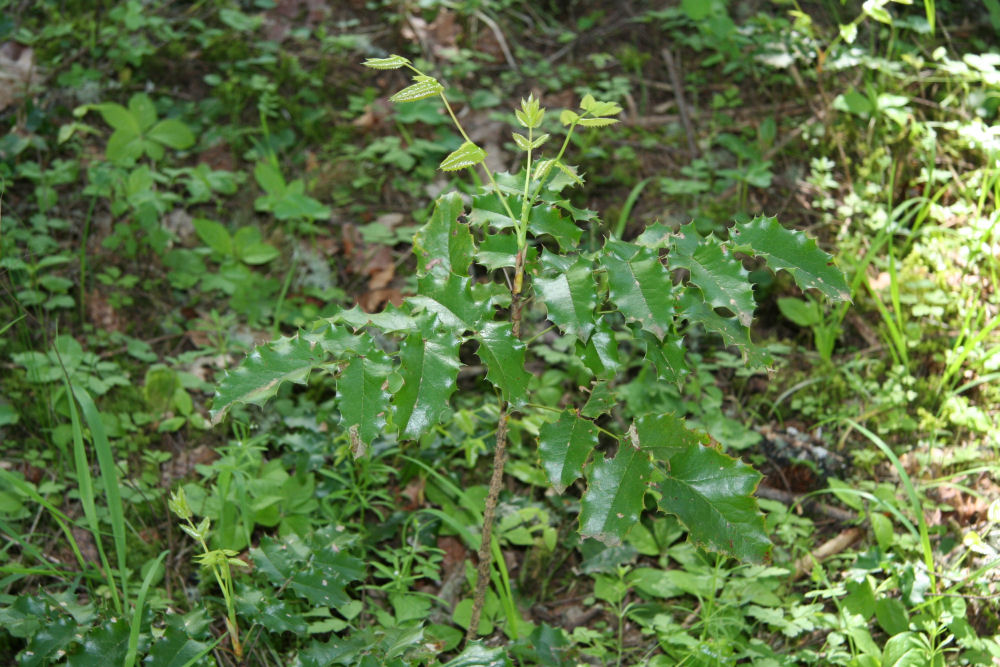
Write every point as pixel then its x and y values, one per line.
pixel 791 251
pixel 641 288
pixel 429 369
pixel 720 276
pixel 712 495
pixel 503 355
pixel 564 447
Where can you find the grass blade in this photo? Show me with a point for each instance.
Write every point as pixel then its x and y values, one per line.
pixel 140 602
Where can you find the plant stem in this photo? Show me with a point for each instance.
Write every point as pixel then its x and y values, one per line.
pixel 489 514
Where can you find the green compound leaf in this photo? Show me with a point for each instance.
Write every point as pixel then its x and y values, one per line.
pixel 172 132
pixel 392 62
pixel 450 297
pixel 614 497
pixel 503 355
pixel 444 240
pixel 712 495
pixel 641 288
pixel 364 403
pixel 720 276
pixel 265 369
pixel 429 368
pixel 467 155
pixel 564 447
pixel 569 296
pixel 425 86
pixel 794 252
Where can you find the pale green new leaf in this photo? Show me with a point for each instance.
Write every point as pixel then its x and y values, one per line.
pixel 720 276
pixel 269 366
pixel 467 155
pixel 564 447
pixel 425 86
pixel 597 122
pixel 794 252
pixel 641 288
pixel 364 401
pixel 392 62
pixel 614 497
pixel 444 239
pixel 712 495
pixel 503 355
pixel 429 368
pixel 569 296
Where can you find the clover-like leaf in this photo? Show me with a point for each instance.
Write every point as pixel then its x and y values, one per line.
pixel 466 155
pixel 792 251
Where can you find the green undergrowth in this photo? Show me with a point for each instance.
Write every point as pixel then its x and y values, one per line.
pixel 741 346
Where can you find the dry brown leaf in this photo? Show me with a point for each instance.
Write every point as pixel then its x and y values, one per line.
pixel 17 72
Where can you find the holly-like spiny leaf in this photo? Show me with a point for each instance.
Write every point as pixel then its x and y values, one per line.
pixel 615 491
pixel 445 239
pixel 712 495
pixel 720 276
pixel 569 295
pixel 364 403
pixel 564 447
pixel 264 370
pixel 449 296
pixel 792 251
pixel 429 368
pixel 503 355
pixel 641 287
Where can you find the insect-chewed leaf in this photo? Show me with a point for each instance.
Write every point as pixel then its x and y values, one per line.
pixel 425 86
pixel 614 497
pixel 363 401
pixel 429 367
pixel 503 355
pixel 467 155
pixel 712 495
pixel 569 296
pixel 792 251
pixel 392 62
pixel 720 276
pixel 444 239
pixel 641 288
pixel 564 447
